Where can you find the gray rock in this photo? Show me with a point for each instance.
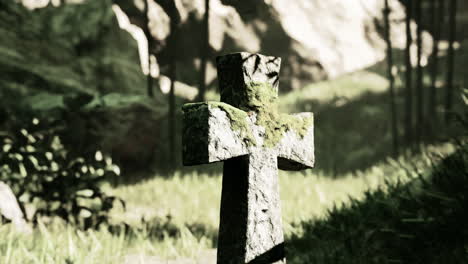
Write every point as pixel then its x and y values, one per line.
pixel 316 39
pixel 10 209
pixel 242 132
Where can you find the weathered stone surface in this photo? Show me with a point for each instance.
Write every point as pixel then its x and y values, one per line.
pixel 217 131
pixel 209 136
pixel 250 221
pixel 253 140
pixel 10 209
pixel 316 39
pixel 294 151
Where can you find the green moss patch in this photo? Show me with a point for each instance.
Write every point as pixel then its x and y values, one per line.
pixel 262 98
pixel 259 98
pixel 276 125
pixel 237 117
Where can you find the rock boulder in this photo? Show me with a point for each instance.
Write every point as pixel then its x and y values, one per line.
pixel 316 39
pixel 10 209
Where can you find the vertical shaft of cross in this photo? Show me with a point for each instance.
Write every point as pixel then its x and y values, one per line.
pixel 264 226
pixel 232 238
pixel 246 131
pixel 250 228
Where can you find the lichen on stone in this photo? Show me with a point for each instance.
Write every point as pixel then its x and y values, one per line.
pixel 259 99
pixel 262 98
pixel 195 129
pixel 276 125
pixel 238 121
pixel 237 117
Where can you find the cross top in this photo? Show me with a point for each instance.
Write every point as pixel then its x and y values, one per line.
pixel 246 131
pixel 248 81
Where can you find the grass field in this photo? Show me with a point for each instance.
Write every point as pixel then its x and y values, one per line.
pixel 177 217
pixel 181 215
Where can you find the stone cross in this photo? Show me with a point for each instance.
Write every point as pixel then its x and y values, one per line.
pixel 246 131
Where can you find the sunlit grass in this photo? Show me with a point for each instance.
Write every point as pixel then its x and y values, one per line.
pixel 186 201
pixel 339 91
pixel 60 243
pixel 189 202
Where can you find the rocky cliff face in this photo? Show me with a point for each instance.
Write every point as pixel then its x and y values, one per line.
pixel 316 39
pixel 74 55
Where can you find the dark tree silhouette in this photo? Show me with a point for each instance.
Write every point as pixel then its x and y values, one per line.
pixel 172 113
pixel 419 76
pixel 450 59
pixel 391 79
pixel 173 76
pixel 170 8
pixel 147 32
pixel 437 20
pixel 204 51
pixel 408 117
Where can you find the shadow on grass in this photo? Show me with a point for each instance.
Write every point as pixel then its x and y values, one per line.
pixel 350 135
pixel 425 221
pixel 355 134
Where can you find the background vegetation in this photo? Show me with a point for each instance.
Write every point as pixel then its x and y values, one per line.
pixel 390 183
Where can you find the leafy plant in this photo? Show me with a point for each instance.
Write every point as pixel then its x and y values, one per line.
pixel 41 171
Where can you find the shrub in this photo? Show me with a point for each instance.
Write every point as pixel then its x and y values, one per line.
pixel 424 221
pixel 41 171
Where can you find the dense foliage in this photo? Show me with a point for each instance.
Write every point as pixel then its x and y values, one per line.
pixel 425 221
pixel 42 172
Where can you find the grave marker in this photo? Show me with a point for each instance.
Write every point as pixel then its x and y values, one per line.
pixel 246 131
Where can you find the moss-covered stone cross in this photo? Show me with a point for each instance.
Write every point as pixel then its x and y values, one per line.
pixel 246 131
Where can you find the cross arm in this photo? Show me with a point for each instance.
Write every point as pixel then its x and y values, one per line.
pixel 296 147
pixel 214 131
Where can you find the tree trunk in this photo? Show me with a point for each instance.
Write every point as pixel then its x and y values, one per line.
pixel 408 91
pixel 419 78
pixel 450 60
pixel 391 79
pixel 437 14
pixel 172 112
pixel 149 81
pixel 204 51
pixel 170 8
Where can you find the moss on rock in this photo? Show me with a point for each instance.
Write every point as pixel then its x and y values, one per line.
pixel 261 99
pixel 237 117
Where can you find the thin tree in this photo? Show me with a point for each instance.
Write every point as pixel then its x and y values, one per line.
pixel 204 51
pixel 146 30
pixel 408 119
pixel 391 79
pixel 172 106
pixel 173 76
pixel 170 8
pixel 450 60
pixel 419 76
pixel 437 20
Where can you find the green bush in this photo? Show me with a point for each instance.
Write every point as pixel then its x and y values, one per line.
pixel 41 171
pixel 425 221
